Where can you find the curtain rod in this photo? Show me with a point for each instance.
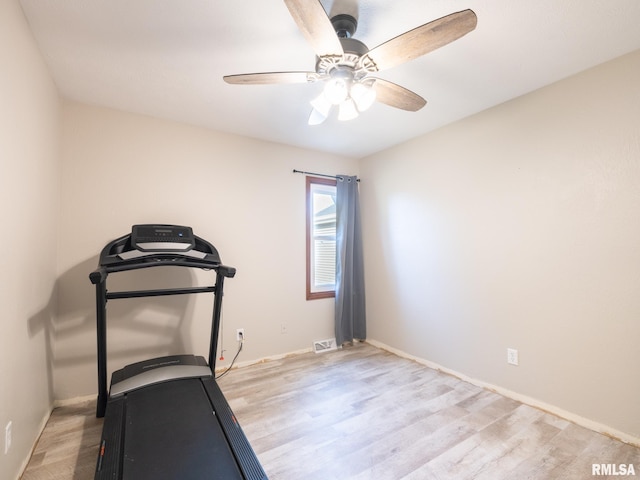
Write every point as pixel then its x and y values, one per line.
pixel 321 175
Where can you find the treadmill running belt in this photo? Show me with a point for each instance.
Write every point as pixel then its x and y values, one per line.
pixel 187 440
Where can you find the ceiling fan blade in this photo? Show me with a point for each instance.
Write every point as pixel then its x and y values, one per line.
pixel 312 20
pixel 271 77
pixel 423 39
pixel 396 96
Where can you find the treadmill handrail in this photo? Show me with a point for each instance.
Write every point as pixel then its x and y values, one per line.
pixel 100 274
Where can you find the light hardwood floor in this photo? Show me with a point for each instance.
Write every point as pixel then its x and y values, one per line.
pixel 362 413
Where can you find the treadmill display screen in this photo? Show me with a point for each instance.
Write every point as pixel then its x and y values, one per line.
pixel 162 238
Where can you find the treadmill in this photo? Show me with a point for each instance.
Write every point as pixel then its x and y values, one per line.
pixel 166 418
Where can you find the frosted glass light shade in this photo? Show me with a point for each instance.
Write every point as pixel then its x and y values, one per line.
pixel 322 104
pixel 316 117
pixel 363 95
pixel 348 110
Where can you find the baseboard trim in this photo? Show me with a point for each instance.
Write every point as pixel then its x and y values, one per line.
pixel 43 423
pixel 75 400
pixel 533 402
pixel 265 359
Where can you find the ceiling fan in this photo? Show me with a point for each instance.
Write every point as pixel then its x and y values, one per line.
pixel 346 65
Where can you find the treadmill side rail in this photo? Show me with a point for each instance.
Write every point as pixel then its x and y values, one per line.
pixel 109 462
pixel 245 456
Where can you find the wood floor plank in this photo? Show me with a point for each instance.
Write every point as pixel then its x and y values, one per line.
pixel 361 413
pixel 68 446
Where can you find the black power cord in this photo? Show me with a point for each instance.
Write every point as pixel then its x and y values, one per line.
pixel 232 361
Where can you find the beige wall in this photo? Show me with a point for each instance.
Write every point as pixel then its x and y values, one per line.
pixel 519 227
pixel 29 135
pixel 120 169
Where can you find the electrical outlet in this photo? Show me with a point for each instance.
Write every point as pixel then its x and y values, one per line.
pixel 512 356
pixel 240 334
pixel 283 328
pixel 7 438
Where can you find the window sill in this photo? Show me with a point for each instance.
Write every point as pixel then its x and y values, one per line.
pixel 318 295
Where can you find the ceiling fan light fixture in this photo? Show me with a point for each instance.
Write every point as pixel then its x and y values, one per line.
pixel 363 95
pixel 336 90
pixel 348 110
pixel 338 85
pixel 343 63
pixel 316 117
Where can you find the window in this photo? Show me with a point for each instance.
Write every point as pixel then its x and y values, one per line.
pixel 321 237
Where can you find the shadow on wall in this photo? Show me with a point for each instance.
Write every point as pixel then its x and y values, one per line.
pixel 42 322
pixel 137 328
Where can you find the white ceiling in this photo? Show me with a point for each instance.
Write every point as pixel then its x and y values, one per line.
pixel 166 58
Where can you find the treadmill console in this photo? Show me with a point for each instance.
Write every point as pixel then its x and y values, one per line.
pixel 153 243
pixel 162 238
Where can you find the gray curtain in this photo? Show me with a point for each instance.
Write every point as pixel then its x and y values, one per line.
pixel 350 300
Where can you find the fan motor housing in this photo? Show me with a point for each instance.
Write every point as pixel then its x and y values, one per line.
pixel 344 25
pixel 353 46
pixel 354 50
